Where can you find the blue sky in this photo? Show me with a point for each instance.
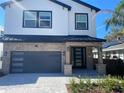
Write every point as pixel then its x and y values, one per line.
pixel 102 4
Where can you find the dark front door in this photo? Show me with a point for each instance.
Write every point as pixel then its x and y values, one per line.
pixel 78 57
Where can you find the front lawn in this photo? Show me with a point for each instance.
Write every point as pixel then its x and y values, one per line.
pixel 106 85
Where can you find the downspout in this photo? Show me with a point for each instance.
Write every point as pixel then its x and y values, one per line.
pixel 68 24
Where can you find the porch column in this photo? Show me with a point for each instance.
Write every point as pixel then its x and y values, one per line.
pixel 123 55
pixel 68 65
pixel 100 59
pixel 101 67
pixel 89 58
pixel 68 50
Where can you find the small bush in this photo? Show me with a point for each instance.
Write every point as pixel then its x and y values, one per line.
pixel 107 85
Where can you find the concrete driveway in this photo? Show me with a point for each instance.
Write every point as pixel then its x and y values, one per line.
pixel 33 83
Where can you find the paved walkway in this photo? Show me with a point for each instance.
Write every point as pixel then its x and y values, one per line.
pixel 33 83
pixel 36 83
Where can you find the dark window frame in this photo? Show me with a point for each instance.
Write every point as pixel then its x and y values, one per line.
pixel 24 19
pixel 37 25
pixel 87 21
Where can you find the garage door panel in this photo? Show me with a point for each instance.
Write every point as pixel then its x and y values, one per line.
pixel 36 62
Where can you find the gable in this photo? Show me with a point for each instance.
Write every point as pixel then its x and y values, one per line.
pixel 62 4
pixel 3 5
pixel 87 5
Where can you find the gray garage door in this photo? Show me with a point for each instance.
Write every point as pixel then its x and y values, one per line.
pixel 35 62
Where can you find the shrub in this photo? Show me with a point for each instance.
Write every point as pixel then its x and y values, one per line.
pixel 107 85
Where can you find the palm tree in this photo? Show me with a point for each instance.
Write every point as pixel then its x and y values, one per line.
pixel 114 34
pixel 117 19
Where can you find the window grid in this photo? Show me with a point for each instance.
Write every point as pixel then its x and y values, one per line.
pixel 82 21
pixel 30 20
pixel 38 19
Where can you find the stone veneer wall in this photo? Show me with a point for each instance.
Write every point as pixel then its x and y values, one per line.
pixel 8 47
pixel 63 47
pixel 89 58
pixel 89 54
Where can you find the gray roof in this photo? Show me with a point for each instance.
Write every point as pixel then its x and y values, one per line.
pixel 41 38
pixel 113 42
pixel 114 45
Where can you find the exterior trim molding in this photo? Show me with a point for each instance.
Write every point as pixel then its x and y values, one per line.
pixel 51 39
pixel 3 5
pixel 62 4
pixel 87 5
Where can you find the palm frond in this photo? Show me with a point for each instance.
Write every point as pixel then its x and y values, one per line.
pixel 120 6
pixel 117 19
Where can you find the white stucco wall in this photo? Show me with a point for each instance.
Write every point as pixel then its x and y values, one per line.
pixel 78 8
pixel 63 21
pixel 14 18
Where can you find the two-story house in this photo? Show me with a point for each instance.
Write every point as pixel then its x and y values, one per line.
pixel 50 36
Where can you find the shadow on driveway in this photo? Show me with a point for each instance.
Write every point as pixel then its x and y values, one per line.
pixel 21 79
pixel 34 79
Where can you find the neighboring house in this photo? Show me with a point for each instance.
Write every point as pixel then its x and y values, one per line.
pixel 114 49
pixel 1 47
pixel 50 36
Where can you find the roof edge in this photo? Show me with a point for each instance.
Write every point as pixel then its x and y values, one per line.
pixel 87 5
pixel 3 5
pixel 62 4
pixel 49 38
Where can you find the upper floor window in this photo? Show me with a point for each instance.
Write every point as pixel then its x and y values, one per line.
pixel 37 19
pixel 30 19
pixel 45 19
pixel 81 21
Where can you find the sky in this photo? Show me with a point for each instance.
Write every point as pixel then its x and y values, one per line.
pixel 100 18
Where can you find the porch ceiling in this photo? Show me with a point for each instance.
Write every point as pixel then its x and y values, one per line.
pixel 83 44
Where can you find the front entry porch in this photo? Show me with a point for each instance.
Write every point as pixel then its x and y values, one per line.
pixel 79 59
